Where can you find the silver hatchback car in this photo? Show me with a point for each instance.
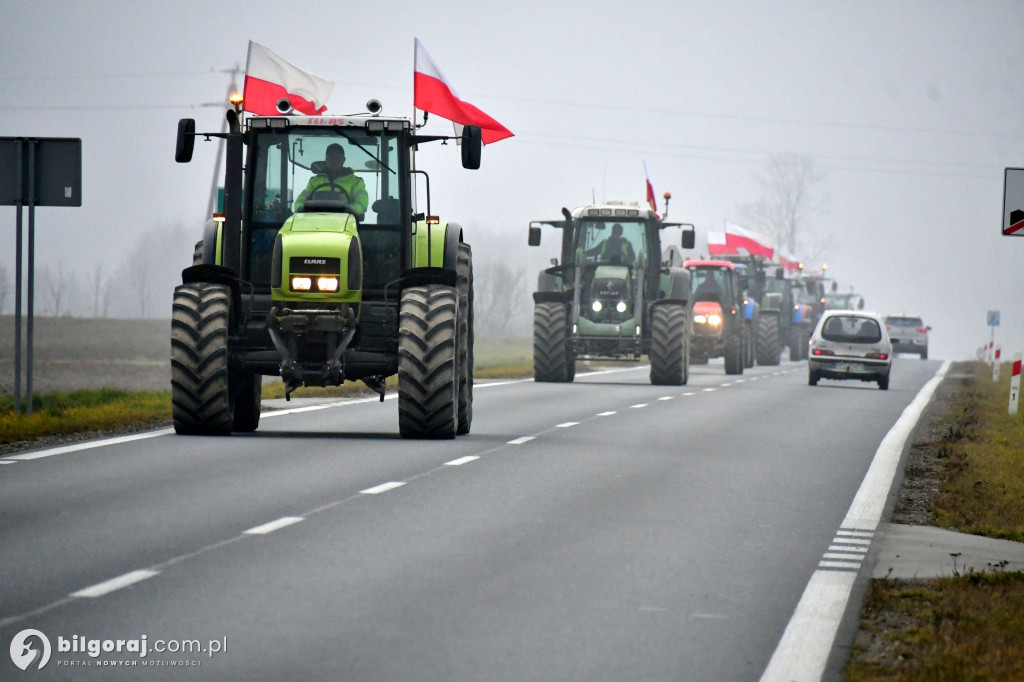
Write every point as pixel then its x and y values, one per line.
pixel 908 334
pixel 850 344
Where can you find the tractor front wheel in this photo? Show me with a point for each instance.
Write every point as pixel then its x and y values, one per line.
pixel 670 356
pixel 200 385
pixel 428 362
pixel 768 339
pixel 734 349
pixel 552 353
pixel 464 273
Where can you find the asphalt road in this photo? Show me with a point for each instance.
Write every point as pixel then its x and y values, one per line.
pixel 601 530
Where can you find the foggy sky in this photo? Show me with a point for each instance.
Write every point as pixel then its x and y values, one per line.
pixel 912 109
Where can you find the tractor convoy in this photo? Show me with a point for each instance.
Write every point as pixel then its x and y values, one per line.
pixel 321 270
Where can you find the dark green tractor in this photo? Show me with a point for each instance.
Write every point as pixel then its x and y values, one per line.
pixel 321 276
pixel 614 295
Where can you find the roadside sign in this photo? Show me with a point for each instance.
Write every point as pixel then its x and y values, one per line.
pixel 993 318
pixel 1015 384
pixel 1013 202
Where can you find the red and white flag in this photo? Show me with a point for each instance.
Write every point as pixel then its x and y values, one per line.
pixel 268 78
pixel 755 243
pixel 651 200
pixel 433 93
pixel 717 245
pixel 788 261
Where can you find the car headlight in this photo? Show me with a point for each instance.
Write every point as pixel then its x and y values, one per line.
pixel 621 306
pixel 596 306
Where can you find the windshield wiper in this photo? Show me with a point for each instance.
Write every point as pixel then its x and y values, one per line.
pixel 373 156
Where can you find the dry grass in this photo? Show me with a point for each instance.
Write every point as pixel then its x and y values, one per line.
pixel 91 410
pixel 968 627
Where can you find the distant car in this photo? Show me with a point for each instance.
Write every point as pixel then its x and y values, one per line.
pixel 849 344
pixel 908 335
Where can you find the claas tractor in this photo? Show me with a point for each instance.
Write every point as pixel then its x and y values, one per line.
pixel 719 326
pixel 320 276
pixel 613 295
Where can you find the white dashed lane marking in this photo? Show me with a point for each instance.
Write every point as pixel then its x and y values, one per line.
pixel 273 525
pixel 382 488
pixel 108 586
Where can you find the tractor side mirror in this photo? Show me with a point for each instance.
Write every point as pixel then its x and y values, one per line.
pixel 689 239
pixel 471 147
pixel 186 140
pixel 780 273
pixel 534 239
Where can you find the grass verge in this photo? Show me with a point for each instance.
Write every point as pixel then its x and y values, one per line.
pixel 969 626
pixel 57 414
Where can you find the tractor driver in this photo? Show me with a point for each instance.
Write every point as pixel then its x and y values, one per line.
pixel 336 178
pixel 615 248
pixel 709 289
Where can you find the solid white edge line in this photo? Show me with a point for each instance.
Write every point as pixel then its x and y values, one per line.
pixel 273 525
pixel 89 445
pixel 108 586
pixel 803 651
pixel 382 488
pixel 461 460
pixel 520 440
pixel 7 461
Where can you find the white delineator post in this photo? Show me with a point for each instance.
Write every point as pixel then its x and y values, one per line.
pixel 995 364
pixel 1015 384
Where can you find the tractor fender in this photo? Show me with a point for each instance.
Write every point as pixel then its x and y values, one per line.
pixel 211 253
pixel 552 296
pixel 679 285
pixel 217 274
pixel 436 245
pixel 772 302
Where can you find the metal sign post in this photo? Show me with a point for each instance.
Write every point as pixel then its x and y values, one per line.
pixel 35 171
pixel 993 322
pixel 1015 384
pixel 995 365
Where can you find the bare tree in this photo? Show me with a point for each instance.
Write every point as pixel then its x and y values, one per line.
pixel 94 284
pixel 791 184
pixel 54 286
pixel 499 288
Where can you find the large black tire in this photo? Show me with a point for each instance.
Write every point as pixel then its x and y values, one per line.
pixel 552 354
pixel 796 337
pixel 749 341
pixel 200 388
pixel 428 372
pixel 670 352
pixel 768 339
pixel 734 347
pixel 464 274
pixel 247 395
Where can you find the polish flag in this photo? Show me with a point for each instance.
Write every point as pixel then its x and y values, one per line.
pixel 268 78
pixel 717 245
pixel 651 201
pixel 787 261
pixel 433 93
pixel 755 243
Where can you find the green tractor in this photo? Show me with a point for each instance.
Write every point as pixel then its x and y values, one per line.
pixel 614 295
pixel 323 273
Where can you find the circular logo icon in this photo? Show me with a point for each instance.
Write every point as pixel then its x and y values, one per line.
pixel 26 651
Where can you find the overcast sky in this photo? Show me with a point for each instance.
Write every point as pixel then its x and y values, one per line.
pixel 912 109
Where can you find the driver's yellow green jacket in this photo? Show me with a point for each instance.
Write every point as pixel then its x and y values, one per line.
pixel 348 182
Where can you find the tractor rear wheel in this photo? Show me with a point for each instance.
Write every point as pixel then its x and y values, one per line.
pixel 200 385
pixel 552 354
pixel 428 359
pixel 768 339
pixel 734 348
pixel 670 352
pixel 464 273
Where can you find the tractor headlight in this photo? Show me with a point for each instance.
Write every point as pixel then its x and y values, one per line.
pixel 621 306
pixel 597 307
pixel 302 283
pixel 714 320
pixel 700 319
pixel 327 283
